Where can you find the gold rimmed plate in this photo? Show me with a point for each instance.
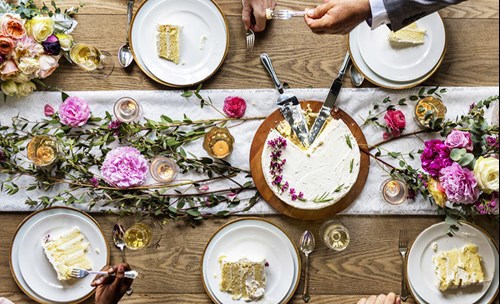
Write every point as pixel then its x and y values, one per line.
pixel 204 40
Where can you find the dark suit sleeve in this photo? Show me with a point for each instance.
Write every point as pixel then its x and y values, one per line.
pixel 404 12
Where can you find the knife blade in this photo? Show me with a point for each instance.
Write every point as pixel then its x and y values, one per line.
pixel 288 104
pixel 333 94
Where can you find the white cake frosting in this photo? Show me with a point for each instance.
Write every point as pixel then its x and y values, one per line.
pixel 324 173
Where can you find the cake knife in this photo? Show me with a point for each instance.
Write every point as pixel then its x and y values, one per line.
pixel 288 104
pixel 333 94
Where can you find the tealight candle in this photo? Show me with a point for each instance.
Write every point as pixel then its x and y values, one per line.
pixel 429 105
pixel 218 142
pixel 163 169
pixel 127 110
pixel 42 150
pixel 394 191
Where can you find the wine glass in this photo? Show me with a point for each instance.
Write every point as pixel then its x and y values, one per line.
pixel 335 235
pixel 144 233
pixel 99 64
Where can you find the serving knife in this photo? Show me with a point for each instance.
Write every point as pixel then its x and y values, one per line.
pixel 333 94
pixel 288 104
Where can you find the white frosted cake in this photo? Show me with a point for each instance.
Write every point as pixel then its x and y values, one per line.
pixel 243 279
pixel 316 177
pixel 458 268
pixel 66 252
pixel 408 36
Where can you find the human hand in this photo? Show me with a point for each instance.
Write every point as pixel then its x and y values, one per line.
pixel 338 16
pixel 110 289
pixel 254 13
pixel 391 298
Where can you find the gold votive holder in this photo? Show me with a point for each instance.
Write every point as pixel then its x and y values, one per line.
pixel 218 142
pixel 163 169
pixel 127 110
pixel 43 150
pixel 429 105
pixel 394 191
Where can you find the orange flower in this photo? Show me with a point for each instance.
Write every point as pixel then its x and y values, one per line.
pixel 6 45
pixel 437 192
pixel 13 27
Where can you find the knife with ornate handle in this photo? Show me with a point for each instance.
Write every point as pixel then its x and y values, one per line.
pixel 288 104
pixel 330 101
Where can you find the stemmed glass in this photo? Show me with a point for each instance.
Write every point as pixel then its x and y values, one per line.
pixel 99 64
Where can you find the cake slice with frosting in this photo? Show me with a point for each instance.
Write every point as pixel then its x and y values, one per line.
pixel 168 42
pixel 67 252
pixel 408 36
pixel 243 279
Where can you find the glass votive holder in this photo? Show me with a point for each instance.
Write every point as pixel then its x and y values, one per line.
pixel 127 109
pixel 334 235
pixel 429 105
pixel 218 142
pixel 43 150
pixel 394 191
pixel 163 169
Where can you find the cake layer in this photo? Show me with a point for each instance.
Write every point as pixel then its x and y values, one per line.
pixel 168 43
pixel 410 35
pixel 243 279
pixel 458 268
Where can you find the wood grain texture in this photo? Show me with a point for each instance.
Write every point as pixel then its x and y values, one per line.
pixel 259 143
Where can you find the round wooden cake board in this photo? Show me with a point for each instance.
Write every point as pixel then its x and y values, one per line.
pixel 258 145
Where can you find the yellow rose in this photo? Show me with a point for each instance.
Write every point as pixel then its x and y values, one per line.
pixel 29 66
pixel 9 88
pixel 23 89
pixel 66 41
pixel 40 28
pixel 437 192
pixel 486 174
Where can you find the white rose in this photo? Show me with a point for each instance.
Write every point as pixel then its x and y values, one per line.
pixel 23 89
pixel 29 66
pixel 9 88
pixel 486 174
pixel 48 65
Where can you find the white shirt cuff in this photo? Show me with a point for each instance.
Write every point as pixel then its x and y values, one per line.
pixel 379 14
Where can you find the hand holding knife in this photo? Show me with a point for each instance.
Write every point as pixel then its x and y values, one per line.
pixel 333 94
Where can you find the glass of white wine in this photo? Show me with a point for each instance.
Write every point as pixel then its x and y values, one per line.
pixel 99 64
pixel 335 235
pixel 142 234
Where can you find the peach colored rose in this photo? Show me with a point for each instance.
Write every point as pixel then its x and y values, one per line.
pixel 8 69
pixel 13 27
pixel 6 45
pixel 48 64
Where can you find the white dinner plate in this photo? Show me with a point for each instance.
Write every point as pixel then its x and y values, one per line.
pixel 420 267
pixel 253 239
pixel 204 40
pixel 402 64
pixel 25 235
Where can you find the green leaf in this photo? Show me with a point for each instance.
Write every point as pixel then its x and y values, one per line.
pixel 352 166
pixel 457 154
pixel 187 94
pixel 348 141
pixel 466 160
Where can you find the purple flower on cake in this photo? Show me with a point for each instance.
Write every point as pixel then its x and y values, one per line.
pixel 460 184
pixel 459 139
pixel 74 112
pixel 48 110
pixel 435 157
pixel 235 107
pixel 51 45
pixel 124 167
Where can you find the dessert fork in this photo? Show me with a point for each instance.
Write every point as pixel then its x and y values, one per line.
pixel 250 35
pixel 285 14
pixel 403 249
pixel 82 273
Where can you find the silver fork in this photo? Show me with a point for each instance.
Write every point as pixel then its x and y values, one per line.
pixel 286 14
pixel 250 40
pixel 82 273
pixel 403 249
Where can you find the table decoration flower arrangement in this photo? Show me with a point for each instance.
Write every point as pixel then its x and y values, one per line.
pixel 32 40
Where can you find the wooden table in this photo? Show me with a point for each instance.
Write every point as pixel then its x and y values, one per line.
pixel 371 263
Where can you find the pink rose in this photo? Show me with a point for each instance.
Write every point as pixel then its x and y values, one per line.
pixel 74 112
pixel 48 64
pixel 459 139
pixel 48 110
pixel 396 121
pixel 235 107
pixel 6 45
pixel 9 68
pixel 13 27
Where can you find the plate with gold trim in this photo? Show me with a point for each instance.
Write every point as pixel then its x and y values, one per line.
pixel 204 40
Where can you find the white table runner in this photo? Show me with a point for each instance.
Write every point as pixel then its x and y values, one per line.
pixel 356 102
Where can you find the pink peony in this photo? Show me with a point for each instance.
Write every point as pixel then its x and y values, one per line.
pixel 396 121
pixel 459 139
pixel 13 27
pixel 74 112
pixel 235 107
pixel 435 157
pixel 48 110
pixel 124 167
pixel 460 184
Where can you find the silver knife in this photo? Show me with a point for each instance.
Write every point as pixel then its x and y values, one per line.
pixel 333 94
pixel 288 104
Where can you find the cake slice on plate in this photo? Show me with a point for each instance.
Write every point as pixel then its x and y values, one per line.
pixel 168 42
pixel 408 36
pixel 243 279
